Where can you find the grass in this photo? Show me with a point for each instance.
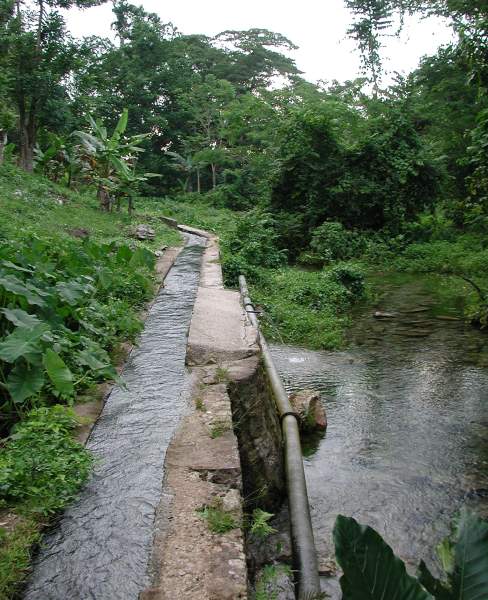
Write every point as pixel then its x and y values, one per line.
pixel 268 576
pixel 15 552
pixel 218 520
pixel 219 428
pixel 31 204
pixel 41 470
pixel 222 374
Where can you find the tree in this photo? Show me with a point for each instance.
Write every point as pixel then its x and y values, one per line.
pixel 382 180
pixel 38 54
pixel 112 159
pixel 469 19
pixel 253 59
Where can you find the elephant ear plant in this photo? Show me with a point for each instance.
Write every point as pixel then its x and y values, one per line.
pixel 373 572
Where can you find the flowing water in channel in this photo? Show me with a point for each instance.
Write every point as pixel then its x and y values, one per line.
pixel 407 407
pixel 101 546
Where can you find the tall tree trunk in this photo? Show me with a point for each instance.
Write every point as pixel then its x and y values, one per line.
pixel 3 143
pixel 198 180
pixel 28 133
pixel 103 198
pixel 214 175
pixel 26 150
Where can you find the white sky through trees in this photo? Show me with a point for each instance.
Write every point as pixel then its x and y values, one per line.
pixel 318 27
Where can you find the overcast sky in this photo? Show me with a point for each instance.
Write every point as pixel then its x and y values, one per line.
pixel 318 27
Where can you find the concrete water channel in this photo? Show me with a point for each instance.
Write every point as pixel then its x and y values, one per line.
pixel 406 445
pixel 101 547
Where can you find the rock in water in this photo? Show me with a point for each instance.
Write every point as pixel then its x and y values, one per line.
pixel 311 413
pixel 144 232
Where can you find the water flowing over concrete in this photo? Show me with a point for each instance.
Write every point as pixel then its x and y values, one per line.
pixel 101 546
pixel 407 440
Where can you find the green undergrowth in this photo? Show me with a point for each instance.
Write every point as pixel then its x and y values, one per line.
pixel 73 282
pixel 41 470
pixel 307 308
pixel 195 213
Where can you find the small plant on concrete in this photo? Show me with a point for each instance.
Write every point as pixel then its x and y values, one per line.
pixel 268 579
pixel 260 526
pixel 222 374
pixel 200 405
pixel 218 429
pixel 218 520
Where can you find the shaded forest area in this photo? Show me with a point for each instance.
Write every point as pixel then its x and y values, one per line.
pixel 310 187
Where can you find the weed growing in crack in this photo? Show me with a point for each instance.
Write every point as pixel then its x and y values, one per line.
pixel 218 520
pixel 218 429
pixel 222 374
pixel 259 525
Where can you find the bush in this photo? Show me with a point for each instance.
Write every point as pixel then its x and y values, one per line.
pixel 332 241
pixel 63 304
pixel 352 278
pixel 41 465
pixel 307 308
pixel 250 246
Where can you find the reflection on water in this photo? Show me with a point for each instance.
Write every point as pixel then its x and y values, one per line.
pixel 407 440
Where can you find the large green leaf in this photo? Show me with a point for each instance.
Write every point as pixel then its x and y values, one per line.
pixel 121 125
pixel 24 382
pixel 371 570
pixel 59 374
pixel 470 576
pixel 142 258
pixel 20 318
pixel 437 588
pixel 22 342
pixel 29 292
pixel 72 291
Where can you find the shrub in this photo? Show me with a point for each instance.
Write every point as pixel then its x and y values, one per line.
pixel 40 464
pixel 250 246
pixel 332 241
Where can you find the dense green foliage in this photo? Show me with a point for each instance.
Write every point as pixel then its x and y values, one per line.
pixel 310 188
pixel 41 471
pixel 64 303
pixel 372 571
pixel 41 466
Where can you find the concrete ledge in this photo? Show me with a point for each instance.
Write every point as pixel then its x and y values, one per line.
pixel 194 231
pixel 202 469
pixel 219 330
pixel 173 223
pixel 211 273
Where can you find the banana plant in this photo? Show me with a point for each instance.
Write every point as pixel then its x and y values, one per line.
pixel 109 155
pixel 373 572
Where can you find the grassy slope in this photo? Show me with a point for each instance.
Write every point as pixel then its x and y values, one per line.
pixel 31 205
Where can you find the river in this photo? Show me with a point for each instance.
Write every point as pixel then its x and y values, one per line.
pixel 407 438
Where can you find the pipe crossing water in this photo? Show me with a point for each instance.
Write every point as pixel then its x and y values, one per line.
pixel 101 547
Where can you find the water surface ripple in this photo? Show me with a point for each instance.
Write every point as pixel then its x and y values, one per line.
pixel 100 548
pixel 407 441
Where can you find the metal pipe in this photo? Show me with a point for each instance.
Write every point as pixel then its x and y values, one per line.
pixel 305 555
